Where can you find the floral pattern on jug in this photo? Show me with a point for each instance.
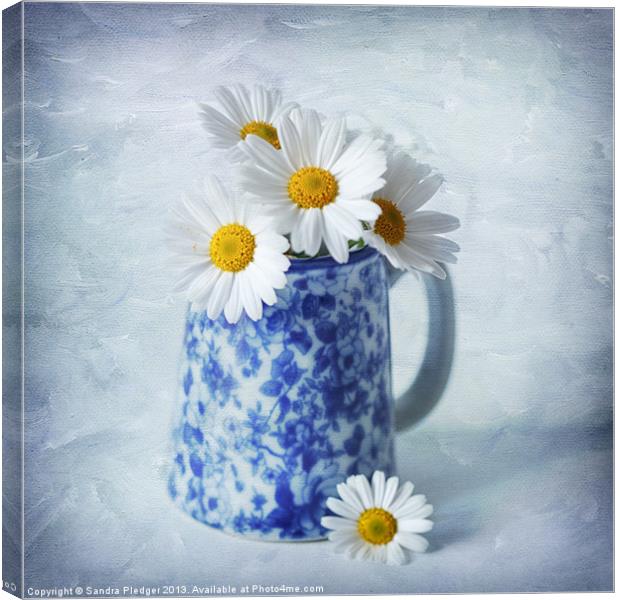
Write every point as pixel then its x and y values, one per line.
pixel 277 412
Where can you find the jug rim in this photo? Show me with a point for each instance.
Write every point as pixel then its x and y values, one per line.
pixel 325 262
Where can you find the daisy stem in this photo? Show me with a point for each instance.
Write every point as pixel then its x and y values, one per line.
pixel 356 244
pixel 298 254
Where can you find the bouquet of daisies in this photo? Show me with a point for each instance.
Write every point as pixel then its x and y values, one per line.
pixel 308 191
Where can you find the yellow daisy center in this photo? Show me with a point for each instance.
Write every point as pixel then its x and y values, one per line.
pixel 390 224
pixel 312 187
pixel 232 247
pixel 377 526
pixel 263 130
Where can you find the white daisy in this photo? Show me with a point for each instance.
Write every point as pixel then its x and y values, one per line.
pixel 317 187
pixel 407 236
pixel 228 255
pixel 376 523
pixel 244 112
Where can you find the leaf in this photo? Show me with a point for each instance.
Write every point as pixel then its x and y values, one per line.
pixel 302 341
pixel 285 407
pixel 196 465
pixel 280 362
pixel 271 388
pixel 310 306
pixel 326 331
pixel 293 374
pixel 284 496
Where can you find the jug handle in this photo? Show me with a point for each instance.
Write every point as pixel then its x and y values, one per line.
pixel 432 377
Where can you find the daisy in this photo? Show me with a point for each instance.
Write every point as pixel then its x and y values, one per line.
pixel 376 523
pixel 228 256
pixel 244 112
pixel 317 187
pixel 407 236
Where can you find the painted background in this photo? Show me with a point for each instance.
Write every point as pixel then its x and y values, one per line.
pixel 514 107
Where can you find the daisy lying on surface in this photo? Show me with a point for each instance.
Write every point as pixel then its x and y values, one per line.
pixel 376 523
pixel 310 193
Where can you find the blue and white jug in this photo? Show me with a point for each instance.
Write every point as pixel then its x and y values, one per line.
pixel 275 413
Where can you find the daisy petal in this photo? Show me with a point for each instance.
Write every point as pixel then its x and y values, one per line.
pixel 242 96
pixel 421 194
pixel 331 143
pixel 420 261
pixel 381 553
pixel 434 246
pixel 312 222
pixel 364 490
pixel 395 554
pixel 220 295
pixel 219 201
pixel 353 550
pixel 259 182
pixel 189 275
pixel 338 523
pixel 378 487
pixel 390 491
pixel 392 255
pixel 198 212
pixel 432 243
pixel 274 275
pixel 360 149
pixel 213 119
pixel 342 534
pixel 411 504
pixel 427 221
pixel 249 296
pixel 349 495
pixel 260 102
pixel 342 509
pixel 277 242
pixel 411 541
pixel 228 101
pixel 310 124
pixel 342 539
pixel 363 552
pixel 291 143
pixel 285 216
pixel 404 493
pixel 262 288
pixel 336 244
pixel 234 307
pixel 365 210
pixel 342 221
pixel 421 513
pixel 202 288
pixel 298 241
pixel 271 256
pixel 415 525
pixel 282 111
pixel 266 157
pixel 261 224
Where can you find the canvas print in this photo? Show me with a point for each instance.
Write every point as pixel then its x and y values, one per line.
pixel 280 274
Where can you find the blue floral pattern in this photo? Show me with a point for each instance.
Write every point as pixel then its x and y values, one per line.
pixel 275 413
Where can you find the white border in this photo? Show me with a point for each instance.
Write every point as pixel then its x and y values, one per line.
pixel 479 3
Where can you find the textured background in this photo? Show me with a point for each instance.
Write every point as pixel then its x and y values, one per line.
pixel 514 106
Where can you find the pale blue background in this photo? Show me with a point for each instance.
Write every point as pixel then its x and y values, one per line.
pixel 514 106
